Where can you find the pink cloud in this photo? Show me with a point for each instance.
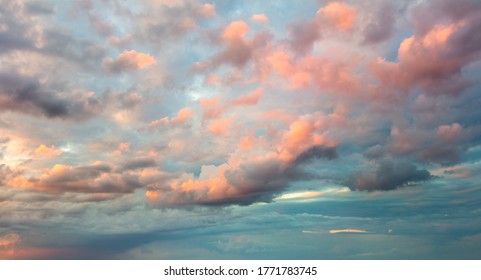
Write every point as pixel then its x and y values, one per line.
pixel 238 49
pixel 212 107
pixel 128 61
pixel 260 18
pixel 221 126
pixel 338 14
pixel 249 99
pixel 432 60
pixel 184 115
pixel 450 133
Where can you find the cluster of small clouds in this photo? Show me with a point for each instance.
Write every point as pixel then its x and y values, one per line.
pixel 185 105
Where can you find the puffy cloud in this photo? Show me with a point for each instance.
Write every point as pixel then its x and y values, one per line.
pixel 276 117
pixel 339 15
pixel 435 55
pixel 450 133
pixel 335 15
pixel 128 61
pixel 380 25
pixel 239 49
pixel 45 151
pixel 248 182
pixel 221 126
pixel 95 178
pixel 389 175
pixel 27 95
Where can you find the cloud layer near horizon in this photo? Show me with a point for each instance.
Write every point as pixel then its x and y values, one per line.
pixel 138 107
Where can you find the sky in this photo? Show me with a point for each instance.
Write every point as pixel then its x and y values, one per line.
pixel 182 129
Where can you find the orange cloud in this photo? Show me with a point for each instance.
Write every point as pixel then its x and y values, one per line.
pixel 128 61
pixel 44 151
pixel 184 115
pixel 260 18
pixel 235 31
pixel 339 14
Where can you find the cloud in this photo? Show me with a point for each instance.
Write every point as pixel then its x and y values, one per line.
pixel 30 97
pixel 5 173
pixel 450 133
pixel 238 49
pixel 7 245
pixel 138 164
pixel 161 22
pixel 316 152
pixel 260 18
pixel 249 99
pixel 389 175
pixel 435 55
pixel 335 15
pixel 257 180
pixel 45 151
pixel 128 61
pixel 338 14
pixel 334 231
pixel 221 126
pixel 8 240
pixel 94 178
pixel 380 25
pixel 183 116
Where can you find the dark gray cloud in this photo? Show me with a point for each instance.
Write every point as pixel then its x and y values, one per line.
pixel 24 94
pixel 138 164
pixel 316 152
pixel 27 95
pixel 389 175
